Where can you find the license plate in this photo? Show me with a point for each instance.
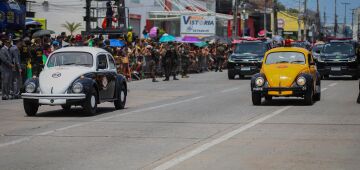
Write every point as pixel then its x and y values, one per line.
pixel 245 68
pixel 335 68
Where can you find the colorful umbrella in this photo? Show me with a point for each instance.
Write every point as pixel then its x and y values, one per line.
pixel 167 38
pixel 30 22
pixel 190 39
pixel 41 33
pixel 153 32
pixel 201 44
pixel 116 43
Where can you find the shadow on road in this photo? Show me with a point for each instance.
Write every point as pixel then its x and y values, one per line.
pixel 339 78
pixel 74 112
pixel 285 102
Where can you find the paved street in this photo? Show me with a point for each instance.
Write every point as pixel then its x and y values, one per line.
pixel 205 122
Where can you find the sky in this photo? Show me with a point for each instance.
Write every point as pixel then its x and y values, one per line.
pixel 328 7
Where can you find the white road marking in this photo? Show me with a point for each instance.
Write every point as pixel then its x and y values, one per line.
pixel 230 90
pixel 323 89
pixel 332 84
pixel 173 162
pixel 20 140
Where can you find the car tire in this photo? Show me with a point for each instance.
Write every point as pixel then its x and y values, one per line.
pixel 256 99
pixel 66 107
pixel 309 98
pixel 268 98
pixel 121 99
pixel 90 104
pixel 317 95
pixel 30 107
pixel 358 99
pixel 355 77
pixel 231 76
pixel 241 76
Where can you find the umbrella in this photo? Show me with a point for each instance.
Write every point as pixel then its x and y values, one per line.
pixel 30 22
pixel 210 38
pixel 167 38
pixel 116 43
pixel 201 44
pixel 153 32
pixel 41 33
pixel 190 39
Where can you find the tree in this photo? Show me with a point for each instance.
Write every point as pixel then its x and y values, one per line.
pixel 71 27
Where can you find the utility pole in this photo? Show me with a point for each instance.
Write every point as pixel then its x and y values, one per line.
pixel 305 20
pixel 299 22
pixel 235 4
pixel 275 8
pixel 345 5
pixel 265 20
pixel 352 21
pixel 318 21
pixel 335 23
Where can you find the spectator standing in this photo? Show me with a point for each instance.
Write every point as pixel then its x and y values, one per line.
pixel 6 67
pixel 17 71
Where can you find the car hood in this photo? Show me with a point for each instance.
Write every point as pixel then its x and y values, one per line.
pixel 282 75
pixel 335 56
pixel 57 80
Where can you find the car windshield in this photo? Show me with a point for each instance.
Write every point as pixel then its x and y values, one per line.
pixel 252 48
pixel 338 48
pixel 70 58
pixel 285 57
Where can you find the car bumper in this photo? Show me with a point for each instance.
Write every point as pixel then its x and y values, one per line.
pixel 337 68
pixel 54 99
pixel 244 68
pixel 280 91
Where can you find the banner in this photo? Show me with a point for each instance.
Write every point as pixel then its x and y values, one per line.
pixel 196 24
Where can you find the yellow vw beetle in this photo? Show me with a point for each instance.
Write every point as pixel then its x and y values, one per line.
pixel 285 72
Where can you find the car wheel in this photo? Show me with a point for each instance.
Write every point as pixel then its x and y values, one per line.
pixel 268 98
pixel 121 99
pixel 231 76
pixel 241 76
pixel 355 77
pixel 66 107
pixel 309 97
pixel 358 99
pixel 256 99
pixel 317 95
pixel 30 107
pixel 90 104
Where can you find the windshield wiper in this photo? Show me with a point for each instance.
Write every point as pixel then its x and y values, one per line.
pixel 297 61
pixel 67 64
pixel 282 62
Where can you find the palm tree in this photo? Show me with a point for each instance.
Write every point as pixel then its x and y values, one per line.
pixel 71 27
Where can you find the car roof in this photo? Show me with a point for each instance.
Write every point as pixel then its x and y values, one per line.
pixel 289 49
pixel 92 50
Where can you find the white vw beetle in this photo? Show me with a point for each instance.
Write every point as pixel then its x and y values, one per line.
pixel 84 76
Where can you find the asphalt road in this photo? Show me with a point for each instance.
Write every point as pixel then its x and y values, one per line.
pixel 205 122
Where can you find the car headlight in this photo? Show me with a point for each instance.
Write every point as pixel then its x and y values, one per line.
pixel 77 87
pixel 319 59
pixel 259 81
pixel 301 81
pixel 352 59
pixel 230 59
pixel 30 88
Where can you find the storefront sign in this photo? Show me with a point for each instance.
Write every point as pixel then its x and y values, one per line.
pixel 195 24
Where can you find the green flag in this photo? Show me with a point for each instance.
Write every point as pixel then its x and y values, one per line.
pixel 29 73
pixel 44 59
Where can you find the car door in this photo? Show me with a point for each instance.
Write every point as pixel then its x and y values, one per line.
pixel 111 75
pixel 101 76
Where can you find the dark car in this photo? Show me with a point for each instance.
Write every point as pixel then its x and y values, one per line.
pixel 339 58
pixel 301 44
pixel 247 58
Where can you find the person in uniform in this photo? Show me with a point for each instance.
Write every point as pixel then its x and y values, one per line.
pixel 7 67
pixel 154 60
pixel 174 62
pixel 168 62
pixel 220 50
pixel 17 71
pixel 185 61
pixel 36 61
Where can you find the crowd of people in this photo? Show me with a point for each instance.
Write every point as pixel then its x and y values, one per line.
pixel 137 59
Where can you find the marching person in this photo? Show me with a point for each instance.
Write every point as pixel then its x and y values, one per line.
pixel 168 62
pixel 185 62
pixel 17 71
pixel 154 60
pixel 220 54
pixel 6 67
